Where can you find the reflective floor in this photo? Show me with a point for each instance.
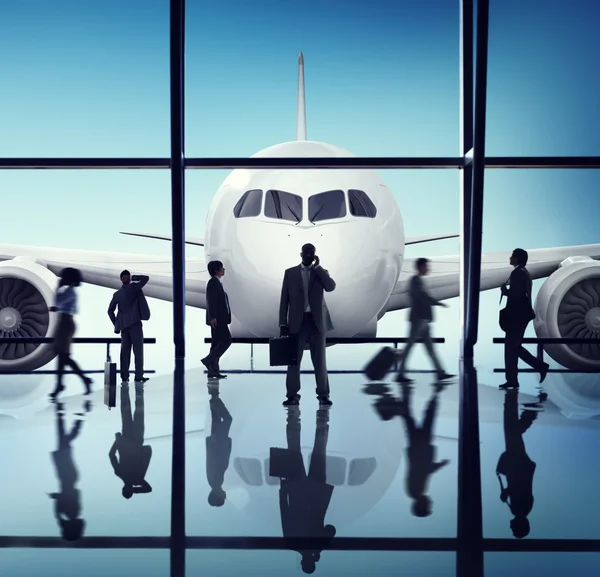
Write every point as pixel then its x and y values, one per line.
pixel 381 462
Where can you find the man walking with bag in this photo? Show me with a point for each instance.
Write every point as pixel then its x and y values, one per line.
pixel 133 309
pixel 514 319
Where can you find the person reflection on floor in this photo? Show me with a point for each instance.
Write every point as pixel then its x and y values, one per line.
pixel 134 456
pixel 516 465
pixel 67 503
pixel 304 499
pixel 218 447
pixel 421 451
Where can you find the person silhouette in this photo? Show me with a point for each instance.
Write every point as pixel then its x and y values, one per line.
pixel 420 451
pixel 67 503
pixel 65 305
pixel 516 465
pixel 304 499
pixel 134 456
pixel 218 446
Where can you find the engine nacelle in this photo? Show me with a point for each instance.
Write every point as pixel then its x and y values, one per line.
pixel 26 291
pixel 568 306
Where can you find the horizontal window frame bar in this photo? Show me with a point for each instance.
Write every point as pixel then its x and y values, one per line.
pixel 390 163
pixel 391 544
pixel 333 340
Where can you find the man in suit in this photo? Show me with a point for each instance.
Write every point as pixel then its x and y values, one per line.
pixel 133 308
pixel 519 313
pixel 303 314
pixel 420 316
pixel 218 317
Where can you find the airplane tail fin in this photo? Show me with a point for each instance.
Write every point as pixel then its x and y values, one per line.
pixel 301 112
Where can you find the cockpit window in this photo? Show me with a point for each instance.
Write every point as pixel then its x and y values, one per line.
pixel 249 205
pixel 327 206
pixel 283 205
pixel 361 204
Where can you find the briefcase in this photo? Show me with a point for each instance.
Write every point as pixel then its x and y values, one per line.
pixel 110 384
pixel 283 351
pixel 286 464
pixel 381 364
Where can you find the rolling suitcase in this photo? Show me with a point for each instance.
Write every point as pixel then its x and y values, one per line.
pixel 381 364
pixel 283 351
pixel 110 383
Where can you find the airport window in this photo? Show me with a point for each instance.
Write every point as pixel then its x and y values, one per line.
pixel 327 206
pixel 361 204
pixel 249 205
pixel 283 205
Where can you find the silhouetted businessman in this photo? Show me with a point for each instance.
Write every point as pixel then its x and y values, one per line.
pixel 420 451
pixel 218 448
pixel 516 465
pixel 218 317
pixel 133 308
pixel 518 314
pixel 304 499
pixel 303 313
pixel 134 456
pixel 67 503
pixel 420 316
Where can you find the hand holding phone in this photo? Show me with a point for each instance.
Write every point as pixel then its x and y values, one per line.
pixel 316 260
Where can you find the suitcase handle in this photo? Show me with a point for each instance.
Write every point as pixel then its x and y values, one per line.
pixel 108 353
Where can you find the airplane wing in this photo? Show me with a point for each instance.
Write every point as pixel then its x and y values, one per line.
pixel 188 239
pixel 104 268
pixel 443 281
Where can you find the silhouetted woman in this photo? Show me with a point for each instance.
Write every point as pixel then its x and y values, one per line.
pixel 65 304
pixel 67 503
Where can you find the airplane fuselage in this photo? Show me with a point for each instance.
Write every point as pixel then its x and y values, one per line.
pixel 362 249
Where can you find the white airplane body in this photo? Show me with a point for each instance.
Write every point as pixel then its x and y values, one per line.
pixel 257 224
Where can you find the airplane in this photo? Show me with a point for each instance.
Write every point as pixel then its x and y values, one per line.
pixel 350 215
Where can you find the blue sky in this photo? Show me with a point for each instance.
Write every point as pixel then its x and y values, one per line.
pixel 91 79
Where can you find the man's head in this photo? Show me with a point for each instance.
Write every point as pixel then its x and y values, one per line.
pixel 216 268
pixel 519 257
pixel 125 277
pixel 308 254
pixel 422 266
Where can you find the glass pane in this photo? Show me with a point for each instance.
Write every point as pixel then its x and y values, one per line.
pixel 249 205
pixel 331 563
pixel 543 77
pixel 73 218
pixel 367 456
pixel 361 204
pixel 327 206
pixel 394 92
pixel 283 205
pixel 533 437
pixel 83 82
pixel 74 562
pixel 541 564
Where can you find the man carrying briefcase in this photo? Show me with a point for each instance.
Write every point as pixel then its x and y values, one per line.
pixel 304 316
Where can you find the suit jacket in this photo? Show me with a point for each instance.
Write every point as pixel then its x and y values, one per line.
pixel 217 303
pixel 291 304
pixel 519 301
pixel 421 302
pixel 127 299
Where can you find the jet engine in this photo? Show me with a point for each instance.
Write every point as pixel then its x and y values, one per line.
pixel 26 292
pixel 568 306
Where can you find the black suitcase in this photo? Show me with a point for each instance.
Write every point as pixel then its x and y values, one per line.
pixel 110 384
pixel 286 464
pixel 283 351
pixel 381 364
